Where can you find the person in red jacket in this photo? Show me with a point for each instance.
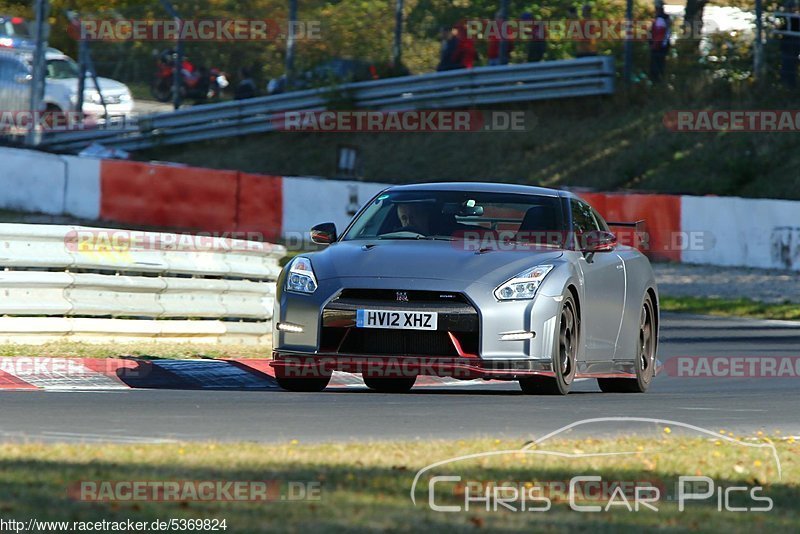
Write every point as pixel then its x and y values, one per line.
pixel 465 53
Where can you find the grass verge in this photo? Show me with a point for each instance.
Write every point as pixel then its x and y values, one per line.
pixel 617 142
pixel 180 351
pixel 741 307
pixel 366 486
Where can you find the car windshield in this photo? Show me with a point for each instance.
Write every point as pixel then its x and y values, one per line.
pixel 61 69
pixel 14 27
pixel 450 215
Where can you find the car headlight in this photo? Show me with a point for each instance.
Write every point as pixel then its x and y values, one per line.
pixel 524 285
pixel 300 278
pixel 93 97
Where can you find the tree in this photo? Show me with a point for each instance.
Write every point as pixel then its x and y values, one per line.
pixel 693 19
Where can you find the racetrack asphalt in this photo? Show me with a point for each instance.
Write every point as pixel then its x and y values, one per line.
pixel 739 405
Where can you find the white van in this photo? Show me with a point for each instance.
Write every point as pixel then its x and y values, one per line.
pixel 61 86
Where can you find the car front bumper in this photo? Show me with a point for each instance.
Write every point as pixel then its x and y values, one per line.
pixel 491 321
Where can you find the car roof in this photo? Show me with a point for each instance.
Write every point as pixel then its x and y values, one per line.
pixel 482 187
pixel 27 53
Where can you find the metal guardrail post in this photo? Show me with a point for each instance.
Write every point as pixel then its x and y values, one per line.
pixel 42 7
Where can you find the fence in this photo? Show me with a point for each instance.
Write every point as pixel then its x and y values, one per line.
pixel 452 89
pixel 99 284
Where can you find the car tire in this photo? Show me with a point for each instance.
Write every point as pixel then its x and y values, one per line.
pixel 565 360
pixel 390 385
pixel 645 357
pixel 304 385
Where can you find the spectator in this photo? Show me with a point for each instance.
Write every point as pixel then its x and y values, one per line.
pixel 246 87
pixel 535 34
pixel 587 45
pixel 466 55
pixel 659 43
pixel 450 44
pixel 496 38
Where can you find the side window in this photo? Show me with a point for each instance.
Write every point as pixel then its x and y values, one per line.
pixel 6 69
pixel 600 221
pixel 582 217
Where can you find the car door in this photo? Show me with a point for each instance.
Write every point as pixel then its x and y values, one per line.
pixel 6 83
pixel 15 87
pixel 603 288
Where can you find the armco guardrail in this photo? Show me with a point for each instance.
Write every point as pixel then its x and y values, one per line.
pixel 99 284
pixel 452 89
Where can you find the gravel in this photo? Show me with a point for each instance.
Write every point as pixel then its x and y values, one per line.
pixel 763 285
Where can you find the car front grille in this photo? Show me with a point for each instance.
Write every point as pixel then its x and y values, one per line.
pixel 458 324
pixel 382 342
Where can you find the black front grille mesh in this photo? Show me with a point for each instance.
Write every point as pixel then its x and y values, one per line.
pixel 397 342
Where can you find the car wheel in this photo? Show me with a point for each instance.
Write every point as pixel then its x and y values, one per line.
pixel 565 361
pixel 52 116
pixel 390 385
pixel 645 357
pixel 304 384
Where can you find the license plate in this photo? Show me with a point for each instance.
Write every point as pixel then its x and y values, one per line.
pixel 400 320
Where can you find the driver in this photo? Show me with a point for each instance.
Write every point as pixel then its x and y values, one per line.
pixel 414 216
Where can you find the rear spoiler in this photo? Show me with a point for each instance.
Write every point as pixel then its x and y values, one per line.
pixel 638 225
pixel 638 238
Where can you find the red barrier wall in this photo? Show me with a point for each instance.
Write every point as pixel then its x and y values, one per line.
pixel 166 196
pixel 189 198
pixel 260 205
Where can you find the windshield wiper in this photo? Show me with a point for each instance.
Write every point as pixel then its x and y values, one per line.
pixel 419 237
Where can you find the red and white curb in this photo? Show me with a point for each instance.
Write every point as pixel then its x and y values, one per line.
pixel 60 374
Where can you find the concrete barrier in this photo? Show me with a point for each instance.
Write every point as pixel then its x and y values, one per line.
pixel 32 181
pixel 743 231
pixel 97 284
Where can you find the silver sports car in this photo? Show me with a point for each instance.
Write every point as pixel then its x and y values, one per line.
pixel 469 280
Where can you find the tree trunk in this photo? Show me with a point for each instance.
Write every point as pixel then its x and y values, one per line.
pixel 693 19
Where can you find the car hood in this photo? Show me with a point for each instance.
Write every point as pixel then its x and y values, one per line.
pixel 107 85
pixel 440 260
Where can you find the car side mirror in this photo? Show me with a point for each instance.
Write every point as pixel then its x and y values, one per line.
pixel 23 78
pixel 598 241
pixel 323 234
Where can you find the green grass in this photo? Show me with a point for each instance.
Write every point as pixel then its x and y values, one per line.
pixel 740 307
pixel 365 486
pixel 612 143
pixel 73 349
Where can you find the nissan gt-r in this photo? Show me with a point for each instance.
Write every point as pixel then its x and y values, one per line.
pixel 469 281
